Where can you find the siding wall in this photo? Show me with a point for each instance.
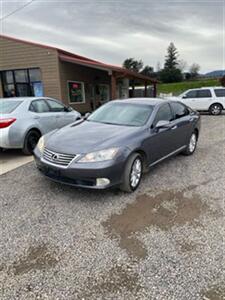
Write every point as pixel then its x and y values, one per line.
pixel 73 72
pixel 18 55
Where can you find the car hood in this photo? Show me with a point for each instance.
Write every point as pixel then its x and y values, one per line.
pixel 85 137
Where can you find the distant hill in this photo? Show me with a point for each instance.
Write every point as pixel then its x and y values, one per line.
pixel 215 74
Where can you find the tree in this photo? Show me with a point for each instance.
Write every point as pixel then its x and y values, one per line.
pixel 171 72
pixel 132 64
pixel 194 70
pixel 171 61
pixel 147 71
pixel 182 65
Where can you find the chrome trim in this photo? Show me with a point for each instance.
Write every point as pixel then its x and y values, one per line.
pixel 168 155
pixel 62 160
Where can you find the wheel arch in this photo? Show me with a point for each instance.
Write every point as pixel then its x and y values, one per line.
pixel 144 157
pixel 217 103
pixel 29 129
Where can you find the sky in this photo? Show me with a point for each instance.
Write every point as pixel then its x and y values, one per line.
pixel 111 31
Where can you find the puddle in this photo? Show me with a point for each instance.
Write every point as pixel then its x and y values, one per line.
pixel 113 282
pixel 215 293
pixel 165 210
pixel 38 258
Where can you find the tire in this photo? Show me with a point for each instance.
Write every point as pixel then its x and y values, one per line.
pixel 192 144
pixel 134 167
pixel 215 109
pixel 30 142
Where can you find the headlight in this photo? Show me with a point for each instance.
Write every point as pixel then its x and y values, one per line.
pixel 102 155
pixel 41 144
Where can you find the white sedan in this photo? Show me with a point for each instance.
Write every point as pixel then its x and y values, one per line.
pixel 24 120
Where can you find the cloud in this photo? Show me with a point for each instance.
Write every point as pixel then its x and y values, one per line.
pixel 114 30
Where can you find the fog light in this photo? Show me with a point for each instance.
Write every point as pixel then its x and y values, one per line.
pixel 102 181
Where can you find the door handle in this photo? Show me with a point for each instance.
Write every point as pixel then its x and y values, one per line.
pixel 57 117
pixel 36 117
pixel 174 127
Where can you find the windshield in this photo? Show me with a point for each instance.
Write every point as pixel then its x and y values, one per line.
pixel 8 106
pixel 126 114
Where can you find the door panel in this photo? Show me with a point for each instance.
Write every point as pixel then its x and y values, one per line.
pixel 41 114
pixel 161 141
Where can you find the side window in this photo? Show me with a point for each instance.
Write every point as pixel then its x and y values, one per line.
pixel 55 106
pixel 204 94
pixel 164 114
pixel 220 92
pixel 39 106
pixel 190 94
pixel 179 110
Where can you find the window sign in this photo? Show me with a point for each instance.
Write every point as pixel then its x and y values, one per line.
pixel 38 89
pixel 76 92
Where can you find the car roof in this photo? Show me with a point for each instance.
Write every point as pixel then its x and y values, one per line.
pixel 25 98
pixel 144 101
pixel 22 98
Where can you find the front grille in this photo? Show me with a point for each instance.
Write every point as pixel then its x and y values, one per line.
pixel 58 158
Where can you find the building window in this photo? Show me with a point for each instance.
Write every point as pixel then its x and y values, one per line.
pixel 22 83
pixel 76 92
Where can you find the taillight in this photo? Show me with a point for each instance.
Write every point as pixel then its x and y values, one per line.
pixel 6 122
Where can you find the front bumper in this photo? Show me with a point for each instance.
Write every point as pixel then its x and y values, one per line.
pixel 82 174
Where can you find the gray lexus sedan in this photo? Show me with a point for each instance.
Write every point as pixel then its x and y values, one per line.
pixel 117 143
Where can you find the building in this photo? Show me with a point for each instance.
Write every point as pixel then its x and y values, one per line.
pixel 31 69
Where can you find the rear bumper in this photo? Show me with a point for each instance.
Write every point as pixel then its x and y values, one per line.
pixel 83 174
pixel 4 138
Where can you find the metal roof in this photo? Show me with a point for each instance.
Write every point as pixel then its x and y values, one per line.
pixel 82 60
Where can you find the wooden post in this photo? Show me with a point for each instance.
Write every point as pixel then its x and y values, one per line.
pixel 145 92
pixel 113 86
pixel 154 90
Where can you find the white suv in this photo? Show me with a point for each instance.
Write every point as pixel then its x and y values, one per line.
pixel 210 99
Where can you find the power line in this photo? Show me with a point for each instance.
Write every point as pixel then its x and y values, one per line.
pixel 16 10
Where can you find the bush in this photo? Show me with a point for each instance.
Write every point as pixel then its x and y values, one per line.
pixel 222 81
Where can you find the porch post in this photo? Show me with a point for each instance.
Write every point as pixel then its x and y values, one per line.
pixel 133 88
pixel 154 90
pixel 113 86
pixel 145 92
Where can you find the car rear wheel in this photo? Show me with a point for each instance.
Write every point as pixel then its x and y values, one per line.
pixel 132 173
pixel 31 141
pixel 215 109
pixel 192 144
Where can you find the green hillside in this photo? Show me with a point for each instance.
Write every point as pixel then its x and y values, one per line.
pixel 179 87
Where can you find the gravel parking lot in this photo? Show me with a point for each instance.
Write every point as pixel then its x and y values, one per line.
pixel 165 241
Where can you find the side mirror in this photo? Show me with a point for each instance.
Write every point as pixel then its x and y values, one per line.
pixel 68 109
pixel 184 97
pixel 162 124
pixel 86 115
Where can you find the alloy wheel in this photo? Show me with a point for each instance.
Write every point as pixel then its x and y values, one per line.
pixel 216 109
pixel 192 143
pixel 136 171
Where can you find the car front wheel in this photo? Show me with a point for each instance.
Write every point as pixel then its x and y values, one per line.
pixel 132 173
pixel 192 144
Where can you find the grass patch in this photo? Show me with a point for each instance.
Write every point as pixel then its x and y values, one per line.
pixel 179 87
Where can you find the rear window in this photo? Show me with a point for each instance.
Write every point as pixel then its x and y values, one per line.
pixel 6 107
pixel 220 92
